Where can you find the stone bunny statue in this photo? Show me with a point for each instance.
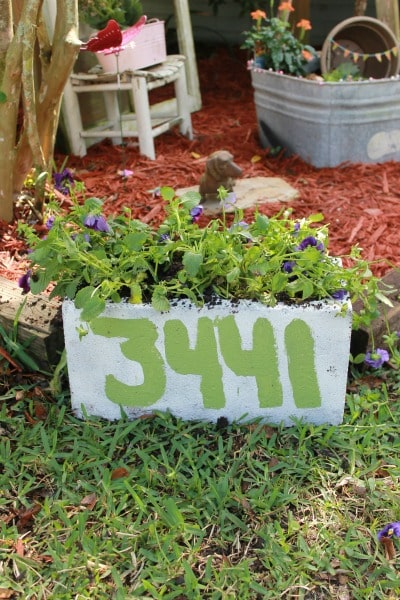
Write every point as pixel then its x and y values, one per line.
pixel 220 171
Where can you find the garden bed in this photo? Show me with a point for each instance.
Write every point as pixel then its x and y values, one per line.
pixel 360 202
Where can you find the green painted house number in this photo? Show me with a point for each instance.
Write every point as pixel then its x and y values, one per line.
pixel 204 360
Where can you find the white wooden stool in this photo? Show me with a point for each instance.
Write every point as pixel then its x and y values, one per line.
pixel 148 121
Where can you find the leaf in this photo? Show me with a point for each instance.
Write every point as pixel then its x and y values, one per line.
pixel 3 98
pixel 26 516
pixel 136 294
pixel 93 308
pixel 83 296
pixel 40 411
pixel 256 158
pixel 307 289
pixel 384 299
pixel 89 501
pixel 190 199
pixel 19 547
pixel 40 281
pixel 30 419
pixel 167 193
pixel 316 218
pixel 93 204
pixel 278 283
pixel 159 300
pixel 233 275
pixel 192 262
pixel 135 241
pixel 262 223
pixel 390 550
pixel 119 473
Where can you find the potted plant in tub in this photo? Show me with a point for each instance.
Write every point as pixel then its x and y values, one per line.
pixel 274 45
pixel 228 319
pixel 326 122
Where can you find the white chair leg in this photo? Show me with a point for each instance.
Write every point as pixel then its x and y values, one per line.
pixel 182 101
pixel 143 117
pixel 113 113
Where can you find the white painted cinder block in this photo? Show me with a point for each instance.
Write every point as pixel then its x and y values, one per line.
pixel 240 361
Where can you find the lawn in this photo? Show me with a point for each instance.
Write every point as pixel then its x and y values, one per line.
pixel 161 508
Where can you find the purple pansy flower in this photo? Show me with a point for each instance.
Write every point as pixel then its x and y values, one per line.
pixel 96 222
pixel 229 200
pixel 339 294
pixel 389 530
pixel 288 266
pixel 63 181
pixel 50 222
pixel 377 358
pixel 238 225
pixel 310 241
pixel 24 282
pixel 196 213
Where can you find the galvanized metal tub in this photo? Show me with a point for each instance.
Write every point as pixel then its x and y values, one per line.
pixel 328 123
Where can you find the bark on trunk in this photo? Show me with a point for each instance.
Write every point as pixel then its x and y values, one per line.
pixel 34 75
pixel 360 6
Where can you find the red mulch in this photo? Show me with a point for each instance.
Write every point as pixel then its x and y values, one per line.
pixel 360 202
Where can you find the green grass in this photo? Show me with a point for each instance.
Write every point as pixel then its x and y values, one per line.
pixel 198 511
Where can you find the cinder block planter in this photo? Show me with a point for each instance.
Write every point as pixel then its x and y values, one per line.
pixel 239 361
pixel 327 123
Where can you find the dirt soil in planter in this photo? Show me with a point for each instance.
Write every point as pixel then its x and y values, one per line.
pixel 360 202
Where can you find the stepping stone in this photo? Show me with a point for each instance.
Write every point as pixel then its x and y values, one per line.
pixel 250 192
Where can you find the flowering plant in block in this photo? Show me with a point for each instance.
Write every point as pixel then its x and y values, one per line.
pixel 92 259
pixel 274 44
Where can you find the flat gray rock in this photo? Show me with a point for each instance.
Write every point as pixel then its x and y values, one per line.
pixel 250 192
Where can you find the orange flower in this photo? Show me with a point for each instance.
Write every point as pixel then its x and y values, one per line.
pixel 304 24
pixel 307 55
pixel 285 6
pixel 258 14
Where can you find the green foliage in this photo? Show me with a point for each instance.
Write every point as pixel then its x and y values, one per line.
pixel 92 260
pixel 97 13
pixel 159 508
pixel 344 72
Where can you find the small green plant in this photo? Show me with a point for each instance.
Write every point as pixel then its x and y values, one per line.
pixel 344 72
pixel 273 44
pixel 92 260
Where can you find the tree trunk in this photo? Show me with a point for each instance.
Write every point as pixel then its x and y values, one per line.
pixel 387 11
pixel 360 6
pixel 32 76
